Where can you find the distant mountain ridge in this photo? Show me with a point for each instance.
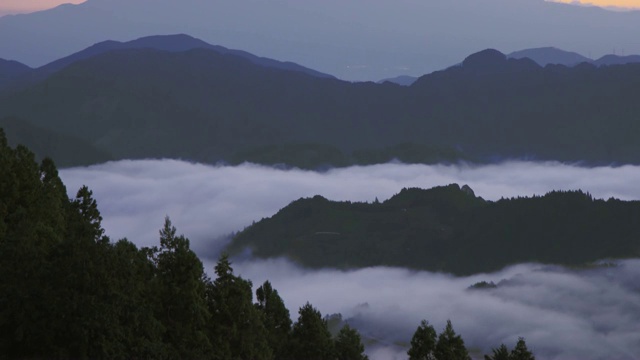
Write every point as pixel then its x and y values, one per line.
pixel 170 43
pixel 553 56
pixel 204 106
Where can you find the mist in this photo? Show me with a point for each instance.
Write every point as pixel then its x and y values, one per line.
pixel 563 314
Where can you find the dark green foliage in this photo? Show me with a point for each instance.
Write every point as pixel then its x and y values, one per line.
pixel 179 282
pixel 276 318
pixel 310 338
pixel 450 345
pixel 236 323
pixel 520 352
pixel 448 229
pixel 501 353
pixel 423 342
pixel 348 345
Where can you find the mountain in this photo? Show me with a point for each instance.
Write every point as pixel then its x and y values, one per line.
pixel 171 43
pixel 403 80
pixel 351 41
pixel 10 70
pixel 66 150
pixel 550 55
pixel 447 229
pixel 205 106
pixel 617 60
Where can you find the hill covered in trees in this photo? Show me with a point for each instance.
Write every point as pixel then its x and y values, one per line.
pixel 447 229
pixel 206 106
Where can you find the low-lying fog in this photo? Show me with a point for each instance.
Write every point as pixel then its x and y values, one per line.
pixel 563 314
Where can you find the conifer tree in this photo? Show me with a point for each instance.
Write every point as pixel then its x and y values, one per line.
pixel 276 318
pixel 310 338
pixel 450 346
pixel 349 345
pixel 520 352
pixel 423 342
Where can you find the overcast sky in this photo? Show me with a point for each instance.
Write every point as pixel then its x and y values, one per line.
pixel 563 314
pixel 25 6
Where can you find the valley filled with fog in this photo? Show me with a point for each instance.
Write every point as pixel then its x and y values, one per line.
pixel 562 313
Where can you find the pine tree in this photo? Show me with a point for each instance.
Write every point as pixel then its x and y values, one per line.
pixel 450 346
pixel 348 345
pixel 236 329
pixel 501 353
pixel 310 338
pixel 520 352
pixel 276 318
pixel 423 342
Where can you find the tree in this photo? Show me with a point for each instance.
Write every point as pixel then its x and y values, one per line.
pixel 450 346
pixel 276 318
pixel 348 345
pixel 310 338
pixel 236 328
pixel 501 353
pixel 181 292
pixel 423 342
pixel 520 352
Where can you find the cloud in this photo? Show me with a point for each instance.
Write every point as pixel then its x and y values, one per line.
pixel 563 314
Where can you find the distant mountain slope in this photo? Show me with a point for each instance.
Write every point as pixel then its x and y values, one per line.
pixel 617 60
pixel 550 55
pixel 403 80
pixel 10 70
pixel 447 229
pixel 170 43
pixel 204 106
pixel 65 150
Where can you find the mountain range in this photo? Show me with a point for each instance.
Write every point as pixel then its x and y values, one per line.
pixel 355 43
pixel 177 97
pixel 546 56
pixel 205 105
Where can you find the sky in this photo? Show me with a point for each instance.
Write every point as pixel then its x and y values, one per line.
pixel 26 6
pixel 563 314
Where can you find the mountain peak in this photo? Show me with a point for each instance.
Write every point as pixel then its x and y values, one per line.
pixel 489 60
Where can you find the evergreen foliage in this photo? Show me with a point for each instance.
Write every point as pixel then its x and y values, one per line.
pixel 448 229
pixel 423 342
pixel 450 345
pixel 348 345
pixel 310 337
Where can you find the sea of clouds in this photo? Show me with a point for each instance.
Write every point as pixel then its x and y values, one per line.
pixel 563 313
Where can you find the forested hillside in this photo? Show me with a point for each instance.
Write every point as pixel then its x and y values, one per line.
pixel 205 106
pixel 448 229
